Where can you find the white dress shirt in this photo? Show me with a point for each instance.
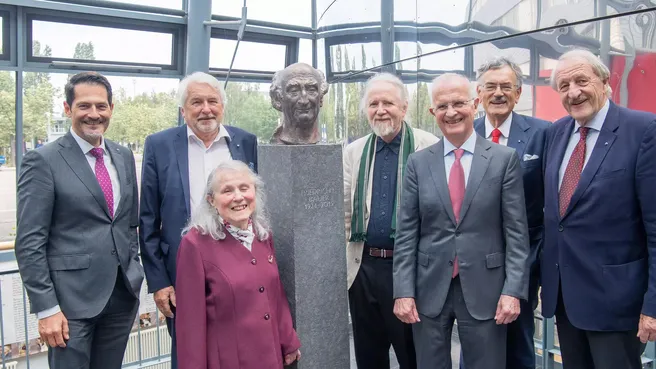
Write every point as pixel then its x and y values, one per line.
pixel 591 139
pixel 202 160
pixel 466 160
pixel 116 190
pixel 504 127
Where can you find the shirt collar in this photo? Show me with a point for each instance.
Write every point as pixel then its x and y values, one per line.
pixel 86 146
pixel 504 127
pixel 223 132
pixel 395 145
pixel 598 120
pixel 468 146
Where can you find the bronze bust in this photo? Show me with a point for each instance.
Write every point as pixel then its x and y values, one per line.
pixel 297 91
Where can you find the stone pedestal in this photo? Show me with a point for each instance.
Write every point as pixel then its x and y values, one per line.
pixel 305 195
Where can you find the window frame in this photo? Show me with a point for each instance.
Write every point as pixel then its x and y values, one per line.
pixel 177 41
pixel 6 16
pixel 292 45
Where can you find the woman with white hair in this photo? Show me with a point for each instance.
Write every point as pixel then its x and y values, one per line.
pixel 232 311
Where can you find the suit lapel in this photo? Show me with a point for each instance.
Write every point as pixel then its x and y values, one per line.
pixel 74 157
pixel 480 163
pixel 555 158
pixel 234 145
pixel 479 126
pixel 604 142
pixel 181 145
pixel 439 178
pixel 519 135
pixel 119 164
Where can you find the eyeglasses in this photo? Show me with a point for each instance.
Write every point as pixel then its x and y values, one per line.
pixel 505 87
pixel 455 105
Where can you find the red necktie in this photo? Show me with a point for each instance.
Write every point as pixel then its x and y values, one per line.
pixel 102 175
pixel 495 135
pixel 457 193
pixel 572 172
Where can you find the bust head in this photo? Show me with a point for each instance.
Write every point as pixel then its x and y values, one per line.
pixel 297 91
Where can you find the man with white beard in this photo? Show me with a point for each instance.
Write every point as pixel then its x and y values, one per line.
pixel 373 172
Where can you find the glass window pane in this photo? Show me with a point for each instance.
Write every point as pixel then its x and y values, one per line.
pixel 419 101
pixel 351 57
pixel 487 51
pixel 2 50
pixel 7 152
pixel 295 12
pixel 249 107
pixel 74 41
pixel 305 51
pixel 451 12
pixel 250 56
pixel 168 4
pixel 452 60
pixel 331 12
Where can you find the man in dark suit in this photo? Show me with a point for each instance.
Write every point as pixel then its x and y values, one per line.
pixel 453 259
pixel 598 268
pixel 76 241
pixel 499 88
pixel 176 164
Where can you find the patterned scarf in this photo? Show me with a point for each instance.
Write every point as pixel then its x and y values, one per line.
pixel 245 236
pixel 358 230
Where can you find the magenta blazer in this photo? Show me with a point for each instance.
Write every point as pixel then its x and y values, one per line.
pixel 232 311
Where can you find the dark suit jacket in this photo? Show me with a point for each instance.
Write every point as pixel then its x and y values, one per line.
pixel 527 136
pixel 232 310
pixel 491 239
pixel 165 197
pixel 603 251
pixel 68 248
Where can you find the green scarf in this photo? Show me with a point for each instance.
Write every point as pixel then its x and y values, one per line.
pixel 358 231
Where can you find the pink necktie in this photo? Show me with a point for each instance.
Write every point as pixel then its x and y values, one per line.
pixel 495 135
pixel 572 172
pixel 457 193
pixel 102 175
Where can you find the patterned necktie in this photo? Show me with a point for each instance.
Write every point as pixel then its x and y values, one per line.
pixel 495 135
pixel 105 182
pixel 457 193
pixel 573 172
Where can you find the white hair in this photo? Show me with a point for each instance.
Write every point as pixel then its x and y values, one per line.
pixel 199 77
pixel 448 78
pixel 498 63
pixel 598 67
pixel 380 78
pixel 206 219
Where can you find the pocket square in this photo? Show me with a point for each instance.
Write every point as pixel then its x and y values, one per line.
pixel 528 157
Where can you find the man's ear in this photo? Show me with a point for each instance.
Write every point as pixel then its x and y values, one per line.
pixel 276 102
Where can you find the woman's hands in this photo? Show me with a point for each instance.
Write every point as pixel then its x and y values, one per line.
pixel 294 356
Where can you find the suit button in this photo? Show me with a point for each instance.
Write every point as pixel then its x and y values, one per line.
pixel 357 261
pixel 261 289
pixel 451 262
pixel 458 234
pixel 560 228
pixel 253 261
pixel 113 252
pixel 267 317
pixel 557 266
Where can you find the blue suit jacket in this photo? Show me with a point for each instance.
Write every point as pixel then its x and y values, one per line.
pixel 602 252
pixel 164 209
pixel 527 137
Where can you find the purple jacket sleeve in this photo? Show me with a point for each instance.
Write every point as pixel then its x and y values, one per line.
pixel 190 315
pixel 289 341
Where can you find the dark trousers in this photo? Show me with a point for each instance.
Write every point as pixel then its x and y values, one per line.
pixel 583 349
pixel 170 324
pixel 375 327
pixel 99 342
pixel 483 342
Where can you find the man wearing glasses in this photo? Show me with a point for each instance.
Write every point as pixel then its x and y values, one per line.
pixel 462 238
pixel 499 88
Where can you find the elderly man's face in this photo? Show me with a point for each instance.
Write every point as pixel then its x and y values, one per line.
pixel 454 110
pixel 385 109
pixel 498 92
pixel 203 109
pixel 301 98
pixel 582 92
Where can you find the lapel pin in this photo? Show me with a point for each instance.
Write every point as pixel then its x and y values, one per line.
pixel 606 143
pixel 237 145
pixel 270 259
